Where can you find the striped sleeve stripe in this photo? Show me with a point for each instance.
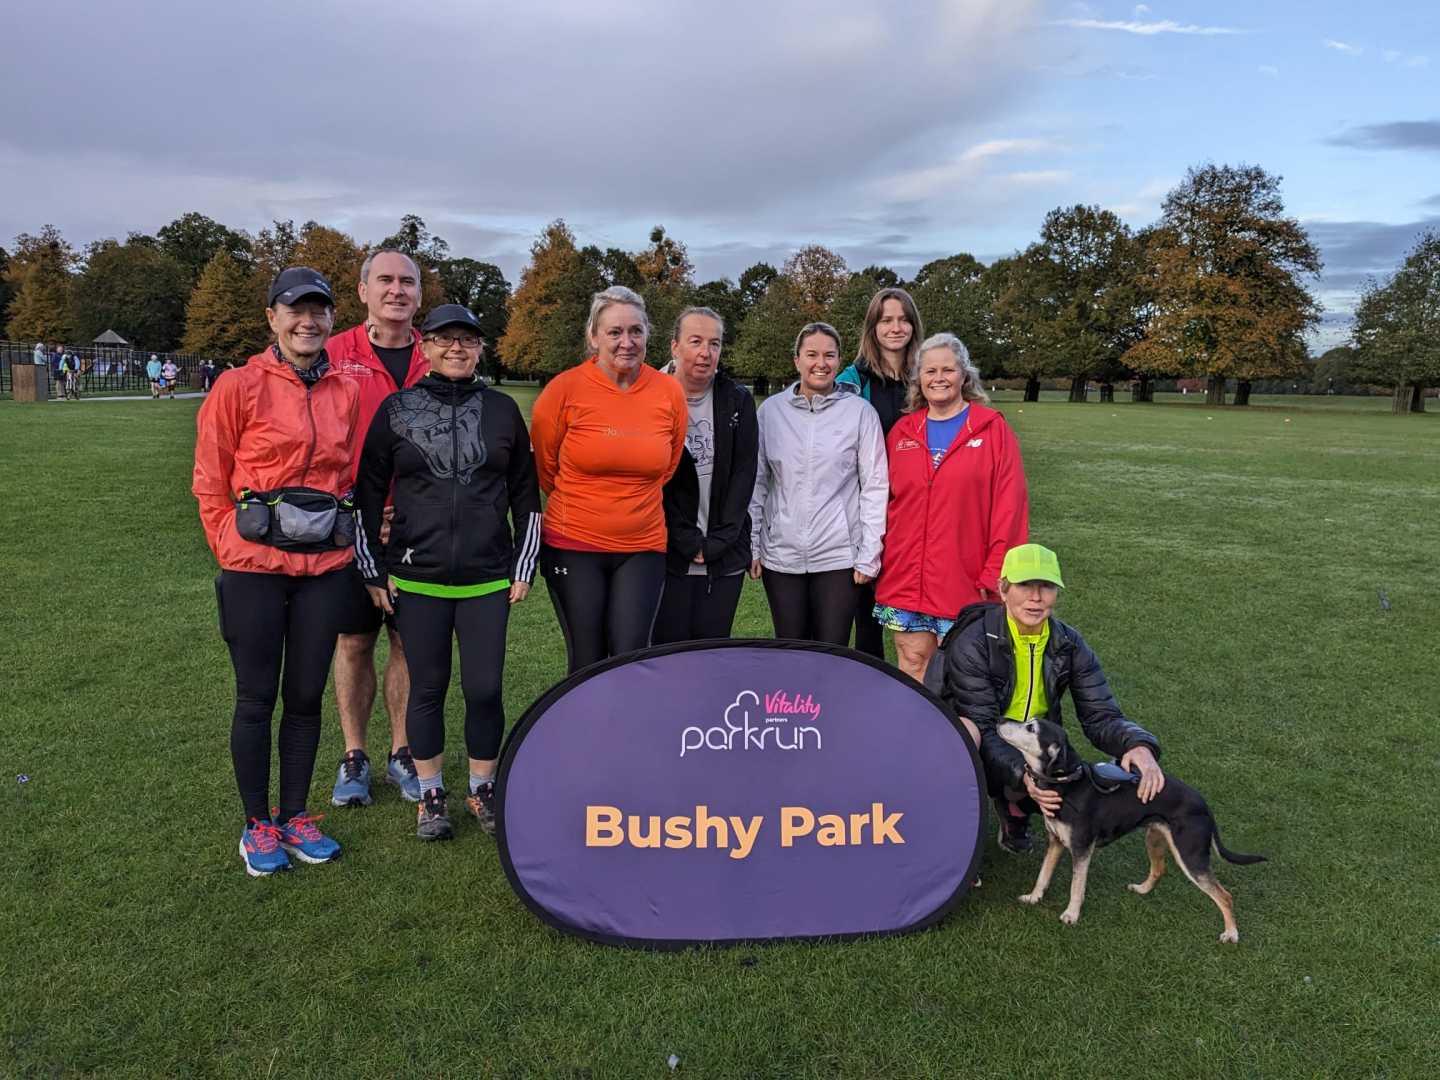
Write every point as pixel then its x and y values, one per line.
pixel 529 550
pixel 368 569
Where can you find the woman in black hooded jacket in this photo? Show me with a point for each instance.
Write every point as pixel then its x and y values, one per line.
pixel 458 458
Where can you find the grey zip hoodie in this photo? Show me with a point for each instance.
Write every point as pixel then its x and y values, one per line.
pixel 822 484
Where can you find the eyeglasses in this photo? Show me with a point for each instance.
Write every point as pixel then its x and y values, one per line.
pixel 465 341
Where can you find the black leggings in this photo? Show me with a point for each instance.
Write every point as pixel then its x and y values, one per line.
pixel 281 633
pixel 605 601
pixel 696 606
pixel 812 607
pixel 427 625
pixel 868 635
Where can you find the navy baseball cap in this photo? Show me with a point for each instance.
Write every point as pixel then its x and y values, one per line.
pixel 450 315
pixel 297 282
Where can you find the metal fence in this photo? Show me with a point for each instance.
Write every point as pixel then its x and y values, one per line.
pixel 103 368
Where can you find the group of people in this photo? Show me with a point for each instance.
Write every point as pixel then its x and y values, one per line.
pixel 370 479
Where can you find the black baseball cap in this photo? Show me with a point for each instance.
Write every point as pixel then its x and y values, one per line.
pixel 450 315
pixel 297 282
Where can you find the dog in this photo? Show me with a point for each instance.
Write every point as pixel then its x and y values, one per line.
pixel 1101 804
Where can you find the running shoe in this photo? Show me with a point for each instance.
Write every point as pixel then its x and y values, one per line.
pixel 301 838
pixel 400 771
pixel 481 805
pixel 432 817
pixel 1014 835
pixel 260 848
pixel 352 783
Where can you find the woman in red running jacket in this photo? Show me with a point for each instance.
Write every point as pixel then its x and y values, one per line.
pixel 957 503
pixel 272 476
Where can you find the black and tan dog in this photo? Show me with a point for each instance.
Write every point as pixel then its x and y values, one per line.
pixel 1101 805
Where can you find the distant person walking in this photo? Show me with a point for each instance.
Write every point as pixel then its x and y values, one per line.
pixel 39 357
pixel 169 376
pixel 153 373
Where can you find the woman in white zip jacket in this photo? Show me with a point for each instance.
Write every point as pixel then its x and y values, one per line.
pixel 821 487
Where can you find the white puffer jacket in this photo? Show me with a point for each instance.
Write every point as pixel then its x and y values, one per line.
pixel 822 484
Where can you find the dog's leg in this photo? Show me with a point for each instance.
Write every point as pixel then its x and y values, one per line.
pixel 1155 848
pixel 1197 869
pixel 1047 871
pixel 1079 869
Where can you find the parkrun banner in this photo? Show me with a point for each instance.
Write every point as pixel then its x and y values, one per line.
pixel 739 791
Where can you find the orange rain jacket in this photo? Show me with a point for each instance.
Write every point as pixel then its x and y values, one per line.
pixel 262 428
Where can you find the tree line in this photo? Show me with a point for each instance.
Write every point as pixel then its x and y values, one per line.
pixel 1218 289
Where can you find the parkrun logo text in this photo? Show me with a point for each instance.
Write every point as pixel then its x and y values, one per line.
pixel 746 725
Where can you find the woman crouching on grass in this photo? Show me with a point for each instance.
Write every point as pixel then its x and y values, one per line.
pixel 458 458
pixel 272 475
pixel 1013 661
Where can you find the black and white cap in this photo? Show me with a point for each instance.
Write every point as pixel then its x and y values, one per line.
pixel 297 282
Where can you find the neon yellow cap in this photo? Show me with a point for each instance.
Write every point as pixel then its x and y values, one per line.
pixel 1031 562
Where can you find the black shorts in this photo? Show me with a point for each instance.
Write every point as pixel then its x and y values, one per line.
pixel 358 614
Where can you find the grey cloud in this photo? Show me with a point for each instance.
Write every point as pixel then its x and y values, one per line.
pixel 1400 135
pixel 1433 200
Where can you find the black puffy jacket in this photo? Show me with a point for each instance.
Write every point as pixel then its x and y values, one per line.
pixel 726 541
pixel 975 673
pixel 457 457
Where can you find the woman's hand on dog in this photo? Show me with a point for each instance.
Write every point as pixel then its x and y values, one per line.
pixel 1047 799
pixel 1152 780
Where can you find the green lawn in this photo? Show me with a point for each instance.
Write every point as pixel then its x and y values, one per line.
pixel 1225 565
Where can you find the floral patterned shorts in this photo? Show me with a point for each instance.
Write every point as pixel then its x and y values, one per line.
pixel 911 622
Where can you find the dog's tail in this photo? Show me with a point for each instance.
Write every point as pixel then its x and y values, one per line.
pixel 1238 858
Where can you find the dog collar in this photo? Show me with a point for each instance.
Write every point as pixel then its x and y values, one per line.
pixel 1068 778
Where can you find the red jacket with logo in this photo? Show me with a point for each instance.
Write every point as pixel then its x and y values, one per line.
pixel 352 355
pixel 262 428
pixel 948 527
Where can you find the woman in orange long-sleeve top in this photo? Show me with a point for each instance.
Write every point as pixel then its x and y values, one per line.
pixel 607 434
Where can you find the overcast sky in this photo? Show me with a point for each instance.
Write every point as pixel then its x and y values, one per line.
pixel 892 132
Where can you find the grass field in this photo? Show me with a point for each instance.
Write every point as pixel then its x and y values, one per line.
pixel 1224 563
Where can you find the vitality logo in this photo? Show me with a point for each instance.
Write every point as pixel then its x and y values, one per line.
pixel 753 723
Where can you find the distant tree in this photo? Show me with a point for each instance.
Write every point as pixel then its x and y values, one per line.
pixel 133 288
pixel 1334 371
pixel 338 257
pixel 274 247
pixel 753 283
pixel 1397 327
pixel 1019 316
pixel 7 290
pixel 816 274
pixel 847 311
pixel 723 296
pixel 1226 267
pixel 614 266
pixel 417 241
pixel 38 272
pixel 883 276
pixel 667 280
pixel 545 334
pixel 954 295
pixel 764 348
pixel 192 240
pixel 225 319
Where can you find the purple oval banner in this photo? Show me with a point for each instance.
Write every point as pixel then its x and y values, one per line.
pixel 729 791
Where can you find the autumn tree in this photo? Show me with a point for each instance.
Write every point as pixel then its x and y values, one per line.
pixel 1226 267
pixel 132 288
pixel 1397 327
pixel 765 345
pixel 816 274
pixel 38 271
pixel 545 334
pixel 193 239
pixel 338 257
pixel 954 296
pixel 225 319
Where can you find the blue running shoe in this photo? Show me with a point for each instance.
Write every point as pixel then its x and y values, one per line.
pixel 352 783
pixel 260 848
pixel 301 838
pixel 400 771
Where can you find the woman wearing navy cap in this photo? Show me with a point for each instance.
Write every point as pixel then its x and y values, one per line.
pixel 458 457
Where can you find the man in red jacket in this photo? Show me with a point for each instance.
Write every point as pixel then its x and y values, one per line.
pixel 381 355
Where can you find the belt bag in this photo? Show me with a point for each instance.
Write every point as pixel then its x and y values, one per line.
pixel 296 519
